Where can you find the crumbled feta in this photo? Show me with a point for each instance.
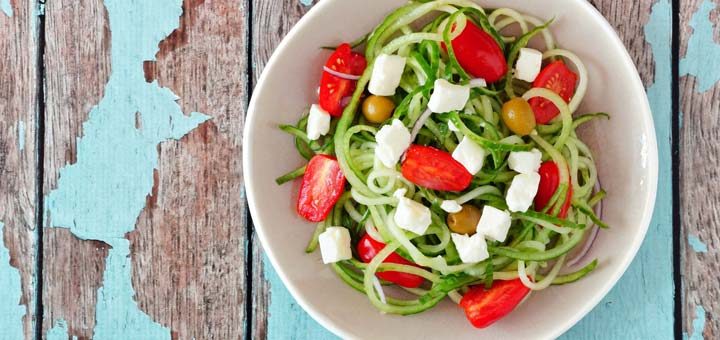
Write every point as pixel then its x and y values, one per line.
pixel 335 244
pixel 400 193
pixel 318 123
pixel 386 74
pixel 412 216
pixel 528 64
pixel 522 192
pixel 470 155
pixel 448 97
pixel 494 223
pixel 472 249
pixel 392 141
pixel 450 206
pixel 525 162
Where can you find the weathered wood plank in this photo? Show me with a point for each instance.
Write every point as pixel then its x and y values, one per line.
pixel 164 205
pixel 77 64
pixel 189 245
pixel 635 304
pixel 18 166
pixel 640 306
pixel 273 307
pixel 699 156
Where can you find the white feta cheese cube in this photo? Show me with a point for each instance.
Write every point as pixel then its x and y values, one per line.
pixel 522 192
pixel 472 249
pixel 335 244
pixel 318 123
pixel 528 64
pixel 386 74
pixel 400 193
pixel 448 97
pixel 525 162
pixel 450 206
pixel 412 216
pixel 470 155
pixel 392 141
pixel 494 223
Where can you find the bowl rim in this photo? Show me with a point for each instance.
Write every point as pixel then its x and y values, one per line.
pixel 586 307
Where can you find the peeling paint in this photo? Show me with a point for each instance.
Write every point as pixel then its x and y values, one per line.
pixel 703 53
pixel 21 135
pixel 696 244
pixel 6 7
pixel 284 311
pixel 116 161
pixel 11 311
pixel 306 2
pixel 59 331
pixel 698 325
pixel 637 293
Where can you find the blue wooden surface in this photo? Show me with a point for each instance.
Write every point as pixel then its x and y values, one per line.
pixel 640 306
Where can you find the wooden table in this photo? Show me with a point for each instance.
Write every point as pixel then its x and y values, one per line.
pixel 123 215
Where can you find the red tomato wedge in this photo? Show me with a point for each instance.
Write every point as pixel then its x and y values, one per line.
pixel 484 307
pixel 558 78
pixel 479 54
pixel 434 169
pixel 321 187
pixel 333 88
pixel 367 249
pixel 549 182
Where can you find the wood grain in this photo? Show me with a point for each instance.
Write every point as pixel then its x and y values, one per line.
pixel 77 65
pixel 272 20
pixel 189 246
pixel 18 181
pixel 699 192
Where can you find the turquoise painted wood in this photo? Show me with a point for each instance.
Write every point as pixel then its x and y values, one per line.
pixel 641 304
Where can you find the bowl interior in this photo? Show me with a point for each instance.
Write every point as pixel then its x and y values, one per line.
pixel 624 147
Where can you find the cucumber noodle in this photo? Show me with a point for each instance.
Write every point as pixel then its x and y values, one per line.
pixel 537 243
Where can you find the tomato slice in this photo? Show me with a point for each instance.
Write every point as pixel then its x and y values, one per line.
pixel 484 307
pixel 435 169
pixel 558 78
pixel 549 182
pixel 367 249
pixel 321 187
pixel 333 88
pixel 479 54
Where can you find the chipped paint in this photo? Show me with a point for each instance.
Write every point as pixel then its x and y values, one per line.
pixel 306 2
pixel 696 244
pixel 647 286
pixel 284 311
pixel 59 331
pixel 11 311
pixel 698 325
pixel 115 161
pixel 21 135
pixel 6 7
pixel 703 53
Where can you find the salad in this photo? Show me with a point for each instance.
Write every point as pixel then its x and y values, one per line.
pixel 443 160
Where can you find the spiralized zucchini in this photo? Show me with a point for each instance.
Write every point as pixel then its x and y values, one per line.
pixel 538 242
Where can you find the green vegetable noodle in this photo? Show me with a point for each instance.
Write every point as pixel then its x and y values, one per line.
pixel 399 161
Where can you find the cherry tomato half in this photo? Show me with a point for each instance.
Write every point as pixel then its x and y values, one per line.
pixel 479 54
pixel 549 182
pixel 333 88
pixel 321 187
pixel 484 307
pixel 367 249
pixel 434 169
pixel 558 78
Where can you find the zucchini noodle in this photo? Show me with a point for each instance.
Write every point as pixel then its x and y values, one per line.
pixel 537 242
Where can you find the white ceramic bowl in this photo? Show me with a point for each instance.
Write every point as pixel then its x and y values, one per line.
pixel 625 149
